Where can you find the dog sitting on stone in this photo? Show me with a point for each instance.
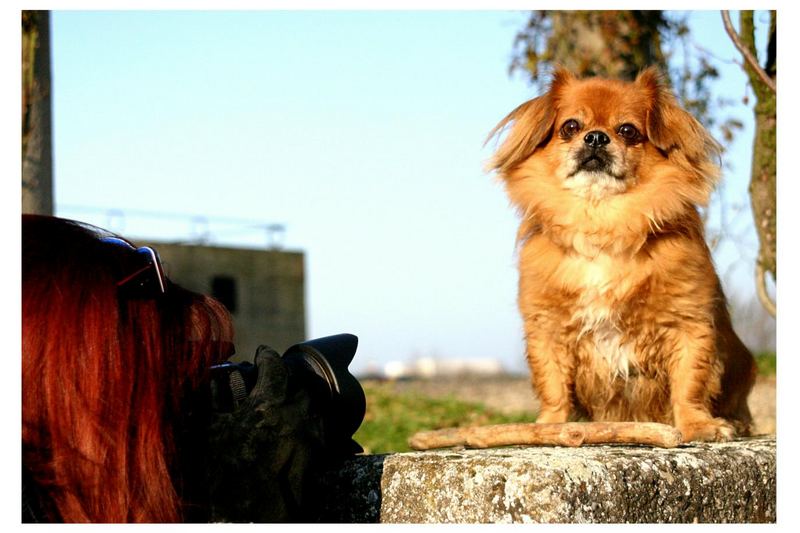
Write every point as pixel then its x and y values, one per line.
pixel 624 316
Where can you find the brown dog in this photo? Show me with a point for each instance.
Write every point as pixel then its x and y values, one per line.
pixel 624 315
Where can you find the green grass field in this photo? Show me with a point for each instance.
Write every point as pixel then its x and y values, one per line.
pixel 766 362
pixel 393 417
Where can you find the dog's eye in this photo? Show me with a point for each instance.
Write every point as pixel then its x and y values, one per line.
pixel 570 128
pixel 628 132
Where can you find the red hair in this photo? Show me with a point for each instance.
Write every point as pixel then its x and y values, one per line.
pixel 106 381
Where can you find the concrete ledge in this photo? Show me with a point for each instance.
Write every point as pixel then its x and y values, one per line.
pixel 723 483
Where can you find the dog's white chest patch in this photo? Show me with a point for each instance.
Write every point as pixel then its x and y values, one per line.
pixel 599 326
pixel 598 320
pixel 595 184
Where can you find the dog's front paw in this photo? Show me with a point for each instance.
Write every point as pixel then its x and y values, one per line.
pixel 709 430
pixel 547 416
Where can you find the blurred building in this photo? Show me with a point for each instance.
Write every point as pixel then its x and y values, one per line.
pixel 263 289
pixel 435 367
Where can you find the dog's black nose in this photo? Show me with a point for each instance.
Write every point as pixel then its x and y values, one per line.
pixel 596 138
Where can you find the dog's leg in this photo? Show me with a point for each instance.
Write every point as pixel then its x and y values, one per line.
pixel 695 378
pixel 551 372
pixel 738 378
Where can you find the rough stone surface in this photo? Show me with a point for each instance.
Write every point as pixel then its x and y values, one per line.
pixel 721 483
pixel 352 493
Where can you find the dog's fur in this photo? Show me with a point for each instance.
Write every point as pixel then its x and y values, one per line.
pixel 624 315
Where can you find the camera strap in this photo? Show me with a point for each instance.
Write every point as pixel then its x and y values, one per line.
pixel 238 388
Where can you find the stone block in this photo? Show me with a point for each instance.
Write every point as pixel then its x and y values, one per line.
pixel 731 482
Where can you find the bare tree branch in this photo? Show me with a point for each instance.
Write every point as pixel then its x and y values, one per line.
pixel 751 60
pixel 761 286
pixel 568 434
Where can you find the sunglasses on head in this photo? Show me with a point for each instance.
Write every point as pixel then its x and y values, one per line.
pixel 147 281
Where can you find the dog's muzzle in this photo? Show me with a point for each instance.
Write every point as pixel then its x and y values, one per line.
pixel 594 159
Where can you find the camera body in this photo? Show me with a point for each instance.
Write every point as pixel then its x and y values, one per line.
pixel 319 367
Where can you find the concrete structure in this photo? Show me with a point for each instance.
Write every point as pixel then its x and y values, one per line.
pixel 263 289
pixel 718 483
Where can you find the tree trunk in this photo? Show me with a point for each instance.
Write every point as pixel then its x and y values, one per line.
pixel 613 44
pixel 762 178
pixel 37 158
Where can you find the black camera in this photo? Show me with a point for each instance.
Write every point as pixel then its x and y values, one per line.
pixel 318 366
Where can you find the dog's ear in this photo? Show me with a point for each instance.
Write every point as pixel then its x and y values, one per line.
pixel 561 77
pixel 675 132
pixel 531 126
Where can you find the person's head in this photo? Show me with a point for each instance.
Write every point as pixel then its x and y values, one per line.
pixel 109 365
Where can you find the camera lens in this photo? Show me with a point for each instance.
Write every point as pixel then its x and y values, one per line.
pixel 320 365
pixel 319 368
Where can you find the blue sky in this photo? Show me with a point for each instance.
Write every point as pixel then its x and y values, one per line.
pixel 362 132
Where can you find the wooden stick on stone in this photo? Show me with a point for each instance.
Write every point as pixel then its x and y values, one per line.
pixel 568 434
